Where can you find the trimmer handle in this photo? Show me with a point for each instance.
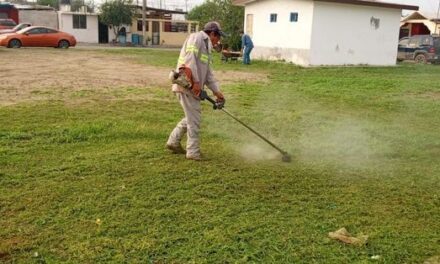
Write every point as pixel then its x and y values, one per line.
pixel 204 95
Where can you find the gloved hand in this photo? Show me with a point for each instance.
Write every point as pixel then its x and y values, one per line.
pixel 196 89
pixel 220 103
pixel 220 100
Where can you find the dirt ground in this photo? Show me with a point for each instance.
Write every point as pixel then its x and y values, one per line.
pixel 51 74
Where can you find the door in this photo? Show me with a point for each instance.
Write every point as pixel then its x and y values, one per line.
pixel 103 33
pixel 401 50
pixel 437 45
pixel 33 37
pixel 156 32
pixel 414 43
pixel 51 38
pixel 249 24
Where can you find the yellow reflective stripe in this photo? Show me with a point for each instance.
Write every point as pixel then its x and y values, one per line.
pixel 181 60
pixel 204 58
pixel 192 48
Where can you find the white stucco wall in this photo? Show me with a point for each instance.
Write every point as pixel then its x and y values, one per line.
pixel 88 35
pixel 345 34
pixel 46 18
pixel 283 39
pixel 128 29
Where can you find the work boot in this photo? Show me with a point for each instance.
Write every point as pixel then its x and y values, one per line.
pixel 176 149
pixel 196 157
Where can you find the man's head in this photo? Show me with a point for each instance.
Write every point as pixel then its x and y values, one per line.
pixel 214 32
pixel 241 32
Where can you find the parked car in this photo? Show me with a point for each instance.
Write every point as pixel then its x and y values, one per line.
pixel 15 29
pixel 37 37
pixel 6 23
pixel 421 49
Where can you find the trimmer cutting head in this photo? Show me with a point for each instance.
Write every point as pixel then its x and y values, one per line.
pixel 286 157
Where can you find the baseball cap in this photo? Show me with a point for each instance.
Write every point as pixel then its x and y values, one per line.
pixel 214 26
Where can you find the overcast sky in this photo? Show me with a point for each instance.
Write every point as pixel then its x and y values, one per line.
pixel 430 6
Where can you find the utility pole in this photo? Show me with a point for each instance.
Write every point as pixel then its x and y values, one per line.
pixel 144 25
pixel 437 18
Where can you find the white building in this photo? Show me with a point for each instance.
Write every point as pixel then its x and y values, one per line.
pixel 81 24
pixel 324 32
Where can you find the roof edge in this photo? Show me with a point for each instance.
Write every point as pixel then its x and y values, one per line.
pixel 352 2
pixel 242 2
pixel 371 3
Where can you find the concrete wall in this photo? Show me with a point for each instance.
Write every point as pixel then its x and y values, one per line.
pixel 284 39
pixel 88 35
pixel 46 18
pixel 128 28
pixel 173 38
pixel 352 34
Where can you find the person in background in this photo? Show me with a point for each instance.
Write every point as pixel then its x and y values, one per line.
pixel 195 64
pixel 246 47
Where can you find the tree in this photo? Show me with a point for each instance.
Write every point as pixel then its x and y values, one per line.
pixel 52 3
pixel 76 5
pixel 230 17
pixel 115 13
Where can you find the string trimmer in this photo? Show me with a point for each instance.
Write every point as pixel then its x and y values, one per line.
pixel 219 106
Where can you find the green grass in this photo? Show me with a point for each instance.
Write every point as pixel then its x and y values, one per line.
pixel 365 143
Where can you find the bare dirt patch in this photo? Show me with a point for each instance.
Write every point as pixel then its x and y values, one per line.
pixel 71 75
pixel 432 95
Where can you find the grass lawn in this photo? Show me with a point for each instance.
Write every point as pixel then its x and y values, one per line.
pixel 91 182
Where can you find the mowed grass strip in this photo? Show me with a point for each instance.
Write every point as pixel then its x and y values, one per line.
pixel 92 182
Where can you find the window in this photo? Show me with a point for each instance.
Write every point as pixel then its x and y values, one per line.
pixel 139 25
pixel 294 17
pixel 426 41
pixel 79 21
pixel 404 42
pixel 51 30
pixel 37 31
pixel 175 27
pixel 8 22
pixel 273 18
pixel 414 41
pixel 437 42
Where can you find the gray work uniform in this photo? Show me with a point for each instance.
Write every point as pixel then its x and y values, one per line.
pixel 196 55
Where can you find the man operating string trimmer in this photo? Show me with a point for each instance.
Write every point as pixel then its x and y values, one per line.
pixel 192 74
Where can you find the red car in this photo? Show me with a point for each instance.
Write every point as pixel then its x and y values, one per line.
pixel 37 37
pixel 15 29
pixel 6 23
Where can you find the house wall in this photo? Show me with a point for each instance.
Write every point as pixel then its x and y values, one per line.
pixel 128 28
pixel 46 18
pixel 352 34
pixel 173 38
pixel 284 39
pixel 88 35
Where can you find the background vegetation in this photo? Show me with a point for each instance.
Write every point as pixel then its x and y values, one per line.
pixel 115 13
pixel 230 17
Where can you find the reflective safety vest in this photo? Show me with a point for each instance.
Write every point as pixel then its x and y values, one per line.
pixel 196 54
